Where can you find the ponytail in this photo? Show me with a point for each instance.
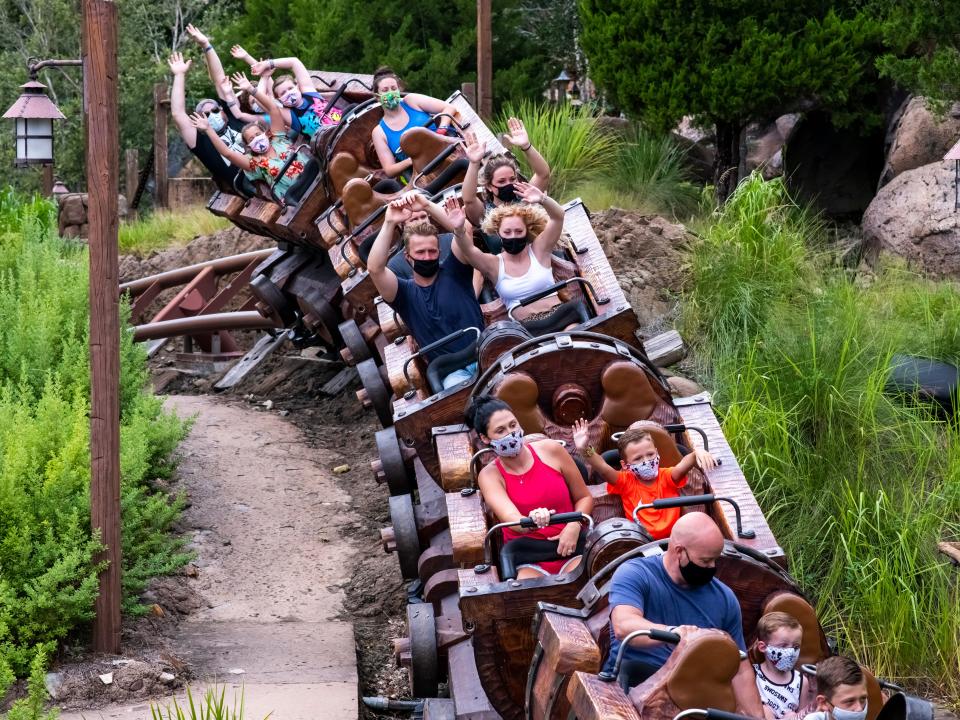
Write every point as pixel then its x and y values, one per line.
pixel 479 410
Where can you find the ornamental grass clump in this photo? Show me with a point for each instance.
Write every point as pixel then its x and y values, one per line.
pixel 858 484
pixel 48 579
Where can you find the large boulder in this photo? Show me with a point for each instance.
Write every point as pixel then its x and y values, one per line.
pixel 918 137
pixel 765 143
pixel 914 217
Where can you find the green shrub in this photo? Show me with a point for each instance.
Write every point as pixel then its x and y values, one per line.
pixel 32 706
pixel 858 486
pixel 49 580
pixel 571 140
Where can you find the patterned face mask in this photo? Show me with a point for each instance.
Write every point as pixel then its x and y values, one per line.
pixel 291 98
pixel 784 658
pixel 259 144
pixel 646 469
pixel 509 445
pixel 390 99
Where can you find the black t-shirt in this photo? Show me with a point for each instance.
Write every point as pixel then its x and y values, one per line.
pixel 213 161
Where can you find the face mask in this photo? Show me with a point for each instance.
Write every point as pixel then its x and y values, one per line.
pixel 506 193
pixel 509 445
pixel 841 714
pixel 390 99
pixel 255 106
pixel 426 268
pixel 216 121
pixel 697 575
pixel 514 245
pixel 259 144
pixel 646 469
pixel 784 658
pixel 291 98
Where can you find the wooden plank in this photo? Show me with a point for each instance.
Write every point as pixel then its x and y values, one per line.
pixel 465 689
pixel 131 176
pixel 340 381
pixel 161 101
pixel 665 349
pixel 257 354
pixel 102 160
pixel 568 644
pixel 484 59
pixel 591 261
pixel 454 452
pixel 468 528
pixel 593 699
pixel 439 709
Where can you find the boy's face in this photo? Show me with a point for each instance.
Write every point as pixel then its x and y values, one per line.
pixel 782 637
pixel 845 697
pixel 637 451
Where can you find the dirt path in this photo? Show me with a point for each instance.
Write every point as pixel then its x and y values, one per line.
pixel 269 523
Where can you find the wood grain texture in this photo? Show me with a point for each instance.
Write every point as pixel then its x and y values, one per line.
pixel 468 527
pixel 454 451
pixel 390 321
pixel 161 104
pixel 567 644
pixel 102 161
pixel 593 699
pixel 394 358
pixel 466 691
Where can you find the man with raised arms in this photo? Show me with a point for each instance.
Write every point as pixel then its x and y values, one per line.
pixel 677 592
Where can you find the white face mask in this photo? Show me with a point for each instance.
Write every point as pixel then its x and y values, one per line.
pixel 255 106
pixel 841 714
pixel 783 658
pixel 259 144
pixel 216 121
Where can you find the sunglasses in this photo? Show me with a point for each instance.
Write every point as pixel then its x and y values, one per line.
pixel 208 113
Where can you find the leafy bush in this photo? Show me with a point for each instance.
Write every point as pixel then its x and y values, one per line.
pixel 858 486
pixel 49 580
pixel 571 140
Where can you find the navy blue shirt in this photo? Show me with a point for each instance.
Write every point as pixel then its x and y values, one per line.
pixel 446 305
pixel 644 584
pixel 402 269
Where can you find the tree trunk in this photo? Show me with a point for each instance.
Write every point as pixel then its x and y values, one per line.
pixel 726 165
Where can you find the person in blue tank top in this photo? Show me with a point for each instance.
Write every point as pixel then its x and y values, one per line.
pixel 677 592
pixel 439 298
pixel 399 115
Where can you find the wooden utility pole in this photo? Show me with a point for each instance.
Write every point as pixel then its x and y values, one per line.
pixel 484 60
pixel 102 141
pixel 161 99
pixel 131 177
pixel 46 181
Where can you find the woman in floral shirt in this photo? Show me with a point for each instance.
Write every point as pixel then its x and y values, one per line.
pixel 268 150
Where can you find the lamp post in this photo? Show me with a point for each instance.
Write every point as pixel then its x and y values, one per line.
pixel 559 85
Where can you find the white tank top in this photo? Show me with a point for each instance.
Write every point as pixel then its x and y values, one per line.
pixel 513 289
pixel 781 699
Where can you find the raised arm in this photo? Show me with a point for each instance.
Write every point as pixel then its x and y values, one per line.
pixel 433 106
pixel 697 458
pixel 472 205
pixel 237 159
pixel 178 102
pixel 547 240
pixel 277 123
pixel 210 57
pixel 452 218
pixel 519 139
pixel 233 105
pixel 591 456
pixel 299 70
pixel 383 277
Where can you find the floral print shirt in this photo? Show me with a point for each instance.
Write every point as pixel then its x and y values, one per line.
pixel 267 169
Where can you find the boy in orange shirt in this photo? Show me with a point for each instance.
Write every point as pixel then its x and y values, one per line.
pixel 641 479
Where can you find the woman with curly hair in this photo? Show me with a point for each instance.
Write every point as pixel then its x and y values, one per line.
pixel 499 176
pixel 528 232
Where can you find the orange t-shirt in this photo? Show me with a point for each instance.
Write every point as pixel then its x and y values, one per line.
pixel 632 492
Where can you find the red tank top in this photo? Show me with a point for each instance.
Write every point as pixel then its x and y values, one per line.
pixel 539 487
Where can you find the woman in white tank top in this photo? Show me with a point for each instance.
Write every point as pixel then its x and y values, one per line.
pixel 529 231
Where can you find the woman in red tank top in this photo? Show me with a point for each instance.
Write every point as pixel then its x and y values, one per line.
pixel 528 480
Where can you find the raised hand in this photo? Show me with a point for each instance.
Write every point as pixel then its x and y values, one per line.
pixel 529 193
pixel 240 54
pixel 260 67
pixel 198 37
pixel 473 148
pixel 399 211
pixel 455 213
pixel 517 133
pixel 241 82
pixel 199 121
pixel 705 461
pixel 178 66
pixel 581 438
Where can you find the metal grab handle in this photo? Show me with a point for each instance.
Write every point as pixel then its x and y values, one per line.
pixel 654 634
pixel 673 428
pixel 453 121
pixel 433 346
pixel 368 221
pixel 711 714
pixel 555 519
pixel 283 171
pixel 428 168
pixel 339 94
pixel 553 289
pixel 687 500
pixel 343 256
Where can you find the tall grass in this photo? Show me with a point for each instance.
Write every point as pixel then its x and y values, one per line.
pixel 168 228
pixel 859 486
pixel 571 140
pixel 211 706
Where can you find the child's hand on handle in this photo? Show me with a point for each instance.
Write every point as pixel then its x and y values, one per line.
pixel 705 461
pixel 581 439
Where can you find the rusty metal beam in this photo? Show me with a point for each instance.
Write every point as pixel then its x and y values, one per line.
pixel 202 324
pixel 171 278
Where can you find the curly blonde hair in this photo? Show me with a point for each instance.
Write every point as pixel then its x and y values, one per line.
pixel 534 217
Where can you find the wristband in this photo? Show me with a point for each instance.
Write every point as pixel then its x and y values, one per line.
pixel 273 65
pixel 529 145
pixel 589 452
pixel 231 103
pixel 208 48
pixel 441 130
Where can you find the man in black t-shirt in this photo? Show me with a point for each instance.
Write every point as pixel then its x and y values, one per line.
pixel 439 299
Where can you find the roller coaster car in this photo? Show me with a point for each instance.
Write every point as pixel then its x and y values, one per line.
pixel 563 679
pixel 499 612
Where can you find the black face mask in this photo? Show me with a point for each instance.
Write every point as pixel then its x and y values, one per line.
pixel 696 575
pixel 426 268
pixel 506 193
pixel 514 246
